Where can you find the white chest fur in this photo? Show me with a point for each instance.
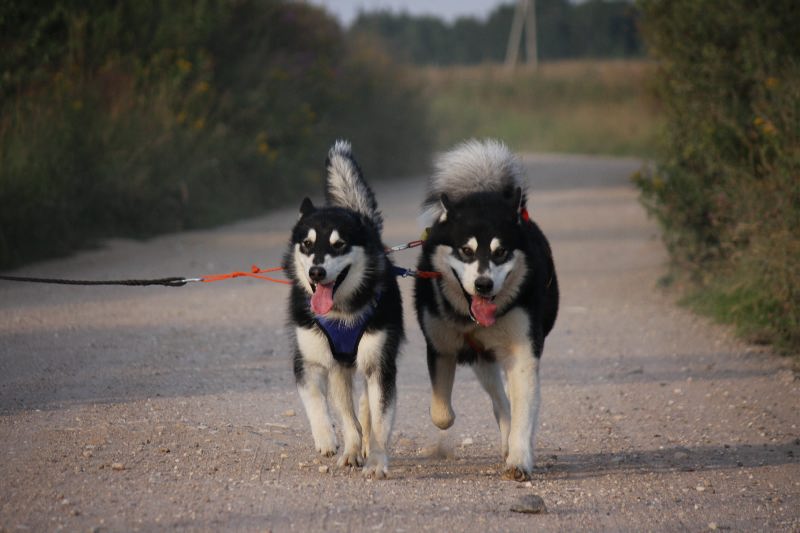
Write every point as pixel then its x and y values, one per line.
pixel 510 334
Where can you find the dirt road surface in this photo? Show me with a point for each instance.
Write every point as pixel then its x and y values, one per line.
pixel 125 409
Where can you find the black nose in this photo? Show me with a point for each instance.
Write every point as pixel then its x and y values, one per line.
pixel 483 285
pixel 316 273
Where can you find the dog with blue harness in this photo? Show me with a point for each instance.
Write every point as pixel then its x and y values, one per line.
pixel 345 314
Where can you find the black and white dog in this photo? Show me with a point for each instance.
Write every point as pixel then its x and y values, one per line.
pixel 497 297
pixel 346 315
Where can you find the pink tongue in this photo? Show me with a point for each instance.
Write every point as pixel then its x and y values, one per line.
pixel 483 310
pixel 322 299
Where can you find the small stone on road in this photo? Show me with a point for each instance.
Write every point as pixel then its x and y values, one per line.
pixel 529 504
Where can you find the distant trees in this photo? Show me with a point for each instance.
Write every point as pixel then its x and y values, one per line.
pixel 595 28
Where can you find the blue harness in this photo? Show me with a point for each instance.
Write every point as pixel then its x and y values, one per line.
pixel 344 338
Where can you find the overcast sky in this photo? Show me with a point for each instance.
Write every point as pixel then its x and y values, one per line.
pixel 346 10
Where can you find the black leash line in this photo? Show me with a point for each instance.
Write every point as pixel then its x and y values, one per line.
pixel 166 282
pixel 177 281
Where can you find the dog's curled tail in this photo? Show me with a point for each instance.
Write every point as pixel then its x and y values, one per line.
pixel 345 185
pixel 473 166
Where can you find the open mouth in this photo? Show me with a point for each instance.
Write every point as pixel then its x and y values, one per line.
pixel 482 310
pixel 322 299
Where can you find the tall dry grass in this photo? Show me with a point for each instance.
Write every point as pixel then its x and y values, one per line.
pixel 596 107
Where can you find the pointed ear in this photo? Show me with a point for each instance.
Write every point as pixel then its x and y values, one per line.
pixel 446 207
pixel 306 207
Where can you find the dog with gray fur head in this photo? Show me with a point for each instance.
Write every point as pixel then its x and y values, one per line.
pixel 497 297
pixel 345 314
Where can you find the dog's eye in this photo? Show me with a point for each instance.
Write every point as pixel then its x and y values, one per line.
pixel 338 245
pixel 467 251
pixel 307 244
pixel 499 253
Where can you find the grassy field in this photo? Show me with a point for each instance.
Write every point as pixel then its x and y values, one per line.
pixel 593 107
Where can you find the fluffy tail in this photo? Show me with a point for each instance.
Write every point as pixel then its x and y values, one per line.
pixel 472 166
pixel 345 186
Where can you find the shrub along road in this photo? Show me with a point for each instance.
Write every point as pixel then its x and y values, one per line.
pixel 143 408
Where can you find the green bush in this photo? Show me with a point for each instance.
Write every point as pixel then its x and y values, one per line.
pixel 727 189
pixel 132 118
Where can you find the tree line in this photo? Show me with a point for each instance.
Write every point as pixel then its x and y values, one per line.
pixel 593 29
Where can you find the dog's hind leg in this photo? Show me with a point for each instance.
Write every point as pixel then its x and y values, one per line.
pixel 442 371
pixel 341 383
pixel 488 374
pixel 313 390
pixel 376 359
pixel 381 395
pixel 363 418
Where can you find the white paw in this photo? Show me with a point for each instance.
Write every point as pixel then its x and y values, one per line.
pixel 516 473
pixel 327 445
pixel 442 414
pixel 377 466
pixel 518 468
pixel 350 458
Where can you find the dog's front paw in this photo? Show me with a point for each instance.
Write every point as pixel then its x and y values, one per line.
pixel 377 466
pixel 350 458
pixel 519 464
pixel 326 445
pixel 516 473
pixel 442 414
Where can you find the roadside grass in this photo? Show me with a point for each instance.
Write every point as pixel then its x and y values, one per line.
pixel 592 107
pixel 757 296
pixel 725 185
pixel 756 319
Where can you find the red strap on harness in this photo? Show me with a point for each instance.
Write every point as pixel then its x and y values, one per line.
pixel 474 343
pixel 254 273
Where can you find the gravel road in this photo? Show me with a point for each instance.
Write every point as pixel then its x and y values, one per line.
pixel 125 409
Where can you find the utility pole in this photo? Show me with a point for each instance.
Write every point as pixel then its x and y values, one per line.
pixel 524 17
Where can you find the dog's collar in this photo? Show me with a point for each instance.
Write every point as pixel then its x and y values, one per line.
pixel 344 337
